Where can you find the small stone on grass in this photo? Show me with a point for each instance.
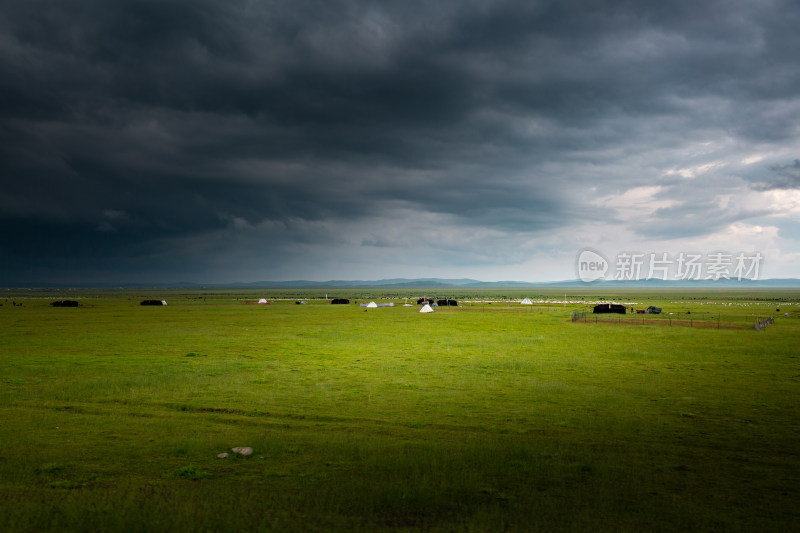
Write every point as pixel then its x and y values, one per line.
pixel 243 450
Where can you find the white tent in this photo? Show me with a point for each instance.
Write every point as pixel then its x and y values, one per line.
pixel 262 301
pixel 426 309
pixel 163 302
pixel 526 301
pixel 407 305
pixel 372 304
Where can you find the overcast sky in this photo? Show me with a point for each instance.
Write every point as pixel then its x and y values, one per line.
pixel 244 140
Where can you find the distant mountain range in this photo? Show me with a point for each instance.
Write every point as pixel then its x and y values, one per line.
pixel 473 283
pixel 433 283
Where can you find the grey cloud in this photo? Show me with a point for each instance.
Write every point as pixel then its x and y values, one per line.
pixel 782 177
pixel 697 208
pixel 379 242
pixel 691 220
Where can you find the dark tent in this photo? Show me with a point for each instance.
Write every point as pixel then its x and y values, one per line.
pixel 65 303
pixel 609 308
pixel 340 301
pixel 444 303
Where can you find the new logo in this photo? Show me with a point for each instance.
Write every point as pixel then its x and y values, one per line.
pixel 591 265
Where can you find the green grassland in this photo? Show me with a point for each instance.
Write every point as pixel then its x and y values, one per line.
pixel 488 417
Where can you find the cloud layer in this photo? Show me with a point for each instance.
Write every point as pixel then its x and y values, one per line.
pixel 236 141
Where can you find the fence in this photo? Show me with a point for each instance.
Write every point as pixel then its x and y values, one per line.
pixel 764 322
pixel 689 321
pixel 578 315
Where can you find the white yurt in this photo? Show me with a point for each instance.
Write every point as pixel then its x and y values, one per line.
pixel 372 304
pixel 526 301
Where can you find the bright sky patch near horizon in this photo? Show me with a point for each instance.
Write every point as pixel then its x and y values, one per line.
pixel 196 140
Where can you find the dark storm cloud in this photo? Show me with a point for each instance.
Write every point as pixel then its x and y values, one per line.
pixel 125 125
pixel 694 218
pixel 782 177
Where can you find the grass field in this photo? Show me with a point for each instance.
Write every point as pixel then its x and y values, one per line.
pixel 487 417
